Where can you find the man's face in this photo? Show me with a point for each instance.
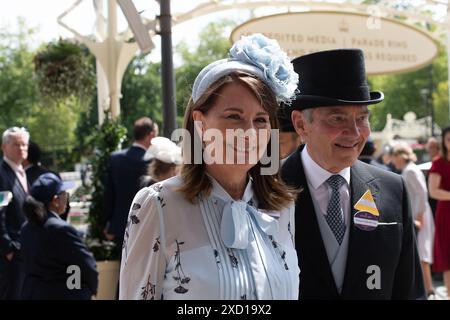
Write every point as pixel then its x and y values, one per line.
pixel 16 149
pixel 335 136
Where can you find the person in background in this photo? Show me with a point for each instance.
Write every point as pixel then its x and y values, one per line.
pixel 124 170
pixel 165 157
pixel 404 161
pixel 386 157
pixel 52 250
pixel 13 179
pixel 34 168
pixel 289 139
pixel 367 153
pixel 32 164
pixel 439 188
pixel 433 151
pixel 432 148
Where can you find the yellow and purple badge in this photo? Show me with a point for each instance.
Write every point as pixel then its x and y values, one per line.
pixel 367 216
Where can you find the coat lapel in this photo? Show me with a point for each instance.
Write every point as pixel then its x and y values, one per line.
pixel 308 239
pixel 16 186
pixel 361 181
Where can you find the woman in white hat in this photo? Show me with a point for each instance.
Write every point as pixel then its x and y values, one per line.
pixel 404 160
pixel 165 157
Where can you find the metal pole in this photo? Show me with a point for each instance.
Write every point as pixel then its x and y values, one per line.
pixel 114 92
pixel 167 73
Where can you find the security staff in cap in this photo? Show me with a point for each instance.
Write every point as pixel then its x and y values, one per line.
pixel 354 229
pixel 56 263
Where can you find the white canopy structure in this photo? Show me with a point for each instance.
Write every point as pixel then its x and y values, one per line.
pixel 113 51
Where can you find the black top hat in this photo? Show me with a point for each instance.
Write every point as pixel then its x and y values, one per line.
pixel 331 78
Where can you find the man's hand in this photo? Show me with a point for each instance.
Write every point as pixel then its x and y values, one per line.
pixel 109 236
pixel 10 256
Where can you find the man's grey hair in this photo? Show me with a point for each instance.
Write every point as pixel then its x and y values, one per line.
pixel 308 115
pixel 14 131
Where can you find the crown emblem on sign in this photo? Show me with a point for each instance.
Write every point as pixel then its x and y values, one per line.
pixel 343 26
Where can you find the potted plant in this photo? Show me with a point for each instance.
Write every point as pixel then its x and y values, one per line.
pixel 64 69
pixel 107 139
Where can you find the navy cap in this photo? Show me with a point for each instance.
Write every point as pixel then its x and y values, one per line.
pixel 48 185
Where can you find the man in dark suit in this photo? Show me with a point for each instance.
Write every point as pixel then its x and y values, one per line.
pixel 125 168
pixel 354 229
pixel 13 179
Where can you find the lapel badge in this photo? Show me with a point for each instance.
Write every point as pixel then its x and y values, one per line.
pixel 367 216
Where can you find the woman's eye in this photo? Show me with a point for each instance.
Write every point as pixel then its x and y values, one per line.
pixel 233 116
pixel 261 120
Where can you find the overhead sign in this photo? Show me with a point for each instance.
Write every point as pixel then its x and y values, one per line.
pixel 389 46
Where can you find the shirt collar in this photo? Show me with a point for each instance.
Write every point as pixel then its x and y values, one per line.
pixel 135 144
pixel 315 174
pixel 55 214
pixel 221 193
pixel 13 165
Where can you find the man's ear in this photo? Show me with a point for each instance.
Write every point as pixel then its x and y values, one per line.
pixel 298 121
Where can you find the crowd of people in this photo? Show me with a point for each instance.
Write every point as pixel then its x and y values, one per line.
pixel 332 223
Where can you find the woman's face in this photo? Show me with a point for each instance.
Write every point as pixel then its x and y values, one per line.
pixel 236 129
pixel 61 202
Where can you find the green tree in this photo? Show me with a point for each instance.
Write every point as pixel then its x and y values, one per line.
pixel 17 86
pixel 141 92
pixel 403 92
pixel 213 45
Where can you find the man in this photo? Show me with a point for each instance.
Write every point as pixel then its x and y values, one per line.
pixel 367 155
pixel 354 229
pixel 13 179
pixel 432 148
pixel 122 181
pixel 32 164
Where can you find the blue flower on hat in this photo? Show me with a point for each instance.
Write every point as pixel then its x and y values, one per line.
pixel 267 55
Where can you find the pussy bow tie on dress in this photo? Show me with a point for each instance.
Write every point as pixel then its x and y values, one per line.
pixel 236 224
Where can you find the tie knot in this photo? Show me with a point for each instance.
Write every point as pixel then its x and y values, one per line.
pixel 335 181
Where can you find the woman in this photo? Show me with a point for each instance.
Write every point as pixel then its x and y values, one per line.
pixel 165 162
pixel 56 263
pixel 404 159
pixel 220 230
pixel 439 187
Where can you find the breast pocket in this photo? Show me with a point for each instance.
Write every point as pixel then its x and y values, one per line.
pixel 381 246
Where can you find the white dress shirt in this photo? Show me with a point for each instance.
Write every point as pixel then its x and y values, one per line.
pixel 319 188
pixel 20 173
pixel 320 191
pixel 135 144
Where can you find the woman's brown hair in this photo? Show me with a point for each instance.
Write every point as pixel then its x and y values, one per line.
pixel 444 150
pixel 269 190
